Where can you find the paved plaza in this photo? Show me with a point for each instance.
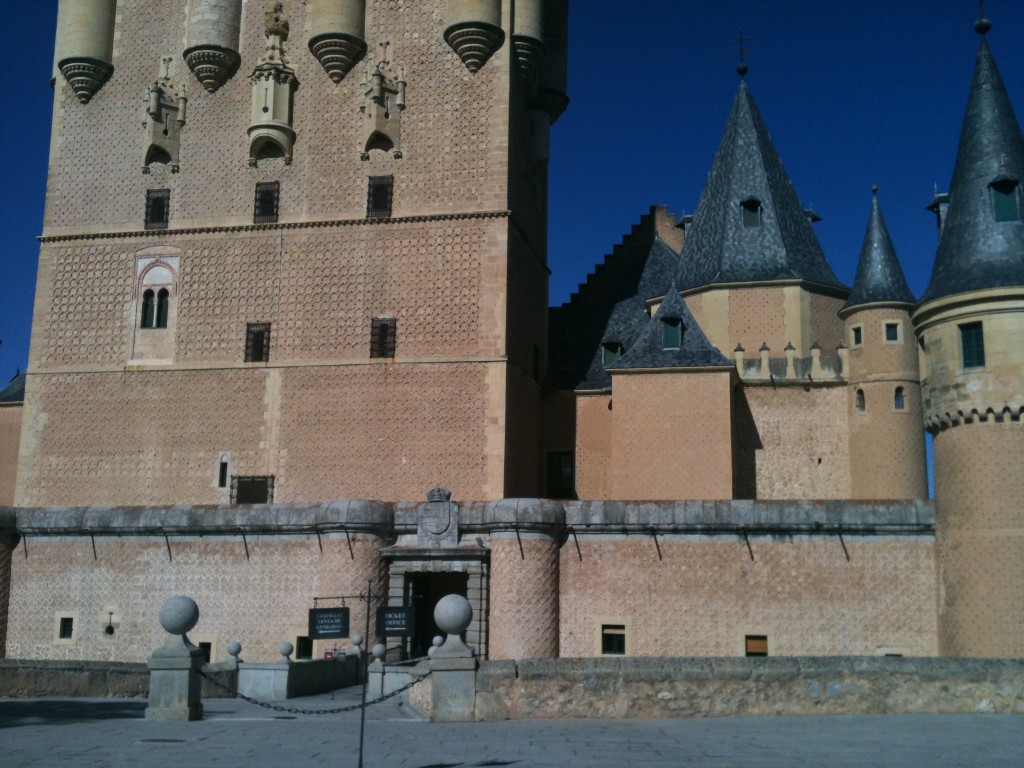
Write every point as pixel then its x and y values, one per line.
pixel 113 732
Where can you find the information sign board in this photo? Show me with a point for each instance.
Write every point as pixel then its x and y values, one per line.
pixel 325 623
pixel 395 622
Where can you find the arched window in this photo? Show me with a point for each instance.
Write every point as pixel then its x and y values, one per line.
pixel 751 212
pixel 148 318
pixel 162 303
pixel 860 402
pixel 899 399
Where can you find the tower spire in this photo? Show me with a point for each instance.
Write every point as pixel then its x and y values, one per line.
pixel 879 275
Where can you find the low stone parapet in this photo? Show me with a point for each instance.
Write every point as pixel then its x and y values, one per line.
pixel 720 687
pixel 93 679
pixel 282 680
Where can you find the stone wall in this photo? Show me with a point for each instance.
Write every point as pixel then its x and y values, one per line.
pixel 717 687
pixel 20 679
pixel 10 439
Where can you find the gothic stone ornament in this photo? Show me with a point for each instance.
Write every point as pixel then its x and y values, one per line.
pixel 165 117
pixel 474 42
pixel 384 102
pixel 437 524
pixel 85 75
pixel 212 65
pixel 337 53
pixel 273 81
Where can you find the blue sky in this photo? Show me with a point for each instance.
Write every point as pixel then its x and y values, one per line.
pixel 854 94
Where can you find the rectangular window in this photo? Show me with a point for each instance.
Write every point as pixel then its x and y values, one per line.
pixel 857 336
pixel 561 480
pixel 66 630
pixel 378 197
pixel 892 331
pixel 1005 200
pixel 972 344
pixel 257 342
pixel 383 331
pixel 611 351
pixel 222 475
pixel 756 645
pixel 265 205
pixel 672 332
pixel 158 208
pixel 257 489
pixel 303 647
pixel 613 639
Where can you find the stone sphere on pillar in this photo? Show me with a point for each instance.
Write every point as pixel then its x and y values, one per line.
pixel 378 651
pixel 453 614
pixel 286 649
pixel 179 614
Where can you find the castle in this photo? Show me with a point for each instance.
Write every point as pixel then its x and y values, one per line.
pixel 310 282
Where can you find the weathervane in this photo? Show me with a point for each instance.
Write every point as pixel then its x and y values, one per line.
pixel 742 69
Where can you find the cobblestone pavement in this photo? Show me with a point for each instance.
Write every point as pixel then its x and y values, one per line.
pixel 113 732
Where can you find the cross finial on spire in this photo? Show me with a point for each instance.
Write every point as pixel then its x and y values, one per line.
pixel 982 25
pixel 742 69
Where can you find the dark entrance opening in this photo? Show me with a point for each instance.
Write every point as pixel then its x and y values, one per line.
pixel 422 591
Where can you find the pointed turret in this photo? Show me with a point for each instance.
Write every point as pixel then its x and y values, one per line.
pixel 982 244
pixel 671 339
pixel 969 324
pixel 879 278
pixel 750 225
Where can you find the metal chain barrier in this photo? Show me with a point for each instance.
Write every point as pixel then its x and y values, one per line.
pixel 296 711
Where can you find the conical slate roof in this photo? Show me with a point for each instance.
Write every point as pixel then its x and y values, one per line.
pixel 628 316
pixel 648 350
pixel 14 392
pixel 719 247
pixel 879 275
pixel 976 251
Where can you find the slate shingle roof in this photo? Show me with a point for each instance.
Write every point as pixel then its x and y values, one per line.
pixel 14 392
pixel 879 275
pixel 975 251
pixel 648 349
pixel 719 248
pixel 616 312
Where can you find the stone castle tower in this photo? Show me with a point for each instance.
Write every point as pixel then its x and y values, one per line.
pixel 293 251
pixel 969 326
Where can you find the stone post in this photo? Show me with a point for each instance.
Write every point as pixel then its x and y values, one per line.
pixel 174 681
pixel 453 665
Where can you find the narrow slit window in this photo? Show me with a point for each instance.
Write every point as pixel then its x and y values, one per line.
pixel 1006 199
pixel 222 473
pixel 163 299
pixel 148 319
pixel 257 342
pixel 857 334
pixel 899 400
pixel 972 345
pixel 383 332
pixel 266 203
pixel 860 401
pixel 158 204
pixel 378 197
pixel 672 332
